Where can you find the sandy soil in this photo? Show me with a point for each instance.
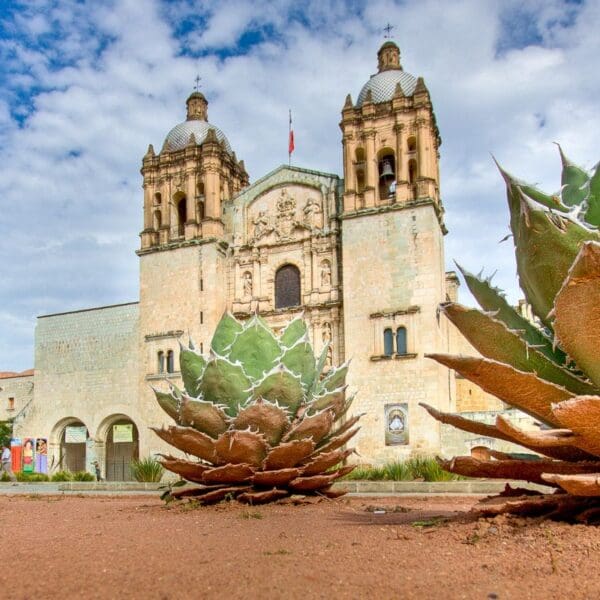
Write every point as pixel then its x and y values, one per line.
pixel 135 547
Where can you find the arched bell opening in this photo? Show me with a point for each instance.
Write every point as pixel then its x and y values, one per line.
pixel 386 163
pixel 360 170
pixel 181 206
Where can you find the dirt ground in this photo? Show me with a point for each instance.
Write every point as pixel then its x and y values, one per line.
pixel 135 547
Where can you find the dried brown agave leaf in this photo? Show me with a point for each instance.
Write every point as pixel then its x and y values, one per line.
pixel 188 469
pixel 242 447
pixel 577 311
pixel 335 442
pixel 578 485
pixel 212 494
pixel 543 438
pixel 230 473
pixel 280 478
pixel 315 427
pixel 325 460
pixel 528 470
pixel 266 418
pixel 188 440
pixel 347 425
pixel 525 391
pixel 313 483
pixel 262 497
pixel 570 453
pixel 288 454
pixel 529 506
pixel 203 416
pixel 582 415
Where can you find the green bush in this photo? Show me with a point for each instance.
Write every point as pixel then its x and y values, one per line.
pixel 147 469
pixel 417 468
pixel 62 476
pixel 5 478
pixel 31 477
pixel 83 476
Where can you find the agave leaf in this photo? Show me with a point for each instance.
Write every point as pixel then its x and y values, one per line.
pixel 529 470
pixel 280 477
pixel 492 339
pixel 315 427
pixel 545 438
pixel 169 403
pixel 256 348
pixel 325 460
pixel 188 440
pixel 525 391
pixel 582 416
pixel 492 300
pixel 335 442
pixel 191 470
pixel 569 453
pixel 238 473
pixel 264 417
pixel 191 365
pixel 312 483
pixel 319 369
pixel 294 331
pixel 592 215
pixel 283 387
pixel 545 247
pixel 241 447
pixel 288 454
pixel 577 311
pixel 203 416
pixel 226 332
pixel 333 400
pixel 577 485
pixel 262 497
pixel 573 181
pixel 299 359
pixel 225 383
pixel 336 378
pixel 346 425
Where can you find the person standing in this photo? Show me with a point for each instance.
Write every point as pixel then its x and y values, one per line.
pixel 5 462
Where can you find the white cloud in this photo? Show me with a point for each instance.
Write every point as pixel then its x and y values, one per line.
pixel 90 84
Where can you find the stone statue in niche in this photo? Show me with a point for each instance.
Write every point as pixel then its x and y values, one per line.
pixel 325 273
pixel 326 333
pixel 247 284
pixel 312 214
pixel 262 226
pixel 329 357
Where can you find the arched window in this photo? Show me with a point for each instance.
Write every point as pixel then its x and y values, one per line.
pixel 412 171
pixel 411 143
pixel 170 362
pixel 157 220
pixel 360 170
pixel 157 199
pixel 388 342
pixel 181 216
pixel 401 341
pixel 161 361
pixel 287 286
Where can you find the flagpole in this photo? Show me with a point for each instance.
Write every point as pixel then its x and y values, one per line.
pixel 289 140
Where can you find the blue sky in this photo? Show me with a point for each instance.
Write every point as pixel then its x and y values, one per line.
pixel 86 85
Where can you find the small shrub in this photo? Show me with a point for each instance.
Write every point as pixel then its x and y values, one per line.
pixel 417 468
pixel 428 469
pixel 31 477
pixel 83 476
pixel 5 478
pixel 147 470
pixel 397 471
pixel 62 476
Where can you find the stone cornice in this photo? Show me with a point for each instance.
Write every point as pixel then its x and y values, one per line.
pixel 182 244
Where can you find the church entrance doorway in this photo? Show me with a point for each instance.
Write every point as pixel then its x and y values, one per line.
pixel 73 447
pixel 122 447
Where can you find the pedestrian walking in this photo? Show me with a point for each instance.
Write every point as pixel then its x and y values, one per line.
pixel 6 463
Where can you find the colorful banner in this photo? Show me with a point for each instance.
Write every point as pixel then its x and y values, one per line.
pixel 28 455
pixel 41 455
pixel 15 450
pixel 75 434
pixel 122 433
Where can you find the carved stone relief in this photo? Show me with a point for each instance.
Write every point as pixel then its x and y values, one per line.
pixel 325 273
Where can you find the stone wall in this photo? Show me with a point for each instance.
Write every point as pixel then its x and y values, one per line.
pixel 16 393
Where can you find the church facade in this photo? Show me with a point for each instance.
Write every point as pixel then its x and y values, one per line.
pixel 361 257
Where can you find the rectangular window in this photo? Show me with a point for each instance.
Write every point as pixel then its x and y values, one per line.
pixel 11 404
pixel 201 284
pixel 201 317
pixel 201 348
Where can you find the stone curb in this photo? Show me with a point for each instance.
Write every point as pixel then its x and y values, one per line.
pixel 357 487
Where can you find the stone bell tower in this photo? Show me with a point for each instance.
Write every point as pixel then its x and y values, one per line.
pixel 183 262
pixel 393 260
pixel 185 184
pixel 390 138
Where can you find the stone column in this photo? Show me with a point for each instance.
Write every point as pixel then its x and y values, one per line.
pixel 370 168
pixel 422 159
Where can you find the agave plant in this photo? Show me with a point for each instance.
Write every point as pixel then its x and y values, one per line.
pixel 259 419
pixel 549 367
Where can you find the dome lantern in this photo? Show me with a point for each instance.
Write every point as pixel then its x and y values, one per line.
pixel 197 107
pixel 389 57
